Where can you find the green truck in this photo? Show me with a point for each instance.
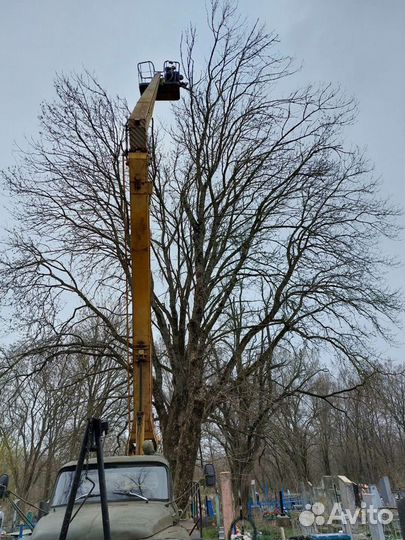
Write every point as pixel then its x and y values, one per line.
pixel 140 502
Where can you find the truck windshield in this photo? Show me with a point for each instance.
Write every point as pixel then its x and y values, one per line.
pixel 123 481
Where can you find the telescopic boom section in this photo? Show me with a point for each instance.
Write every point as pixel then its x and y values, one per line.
pixel 154 86
pixel 140 191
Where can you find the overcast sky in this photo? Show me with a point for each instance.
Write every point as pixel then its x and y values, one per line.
pixel 358 44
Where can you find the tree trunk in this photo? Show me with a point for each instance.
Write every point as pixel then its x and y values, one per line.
pixel 181 438
pixel 242 473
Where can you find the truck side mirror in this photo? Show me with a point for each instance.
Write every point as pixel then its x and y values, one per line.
pixel 44 508
pixel 209 475
pixel 3 485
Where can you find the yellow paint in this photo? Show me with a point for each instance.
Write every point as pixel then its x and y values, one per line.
pixel 142 427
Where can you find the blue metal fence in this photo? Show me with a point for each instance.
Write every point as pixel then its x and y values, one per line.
pixel 290 503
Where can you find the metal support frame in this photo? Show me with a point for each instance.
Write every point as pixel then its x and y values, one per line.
pixel 95 429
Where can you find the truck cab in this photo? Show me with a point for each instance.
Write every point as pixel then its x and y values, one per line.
pixel 140 502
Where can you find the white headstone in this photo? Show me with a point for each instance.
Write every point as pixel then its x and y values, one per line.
pixel 348 502
pixel 373 500
pixel 384 488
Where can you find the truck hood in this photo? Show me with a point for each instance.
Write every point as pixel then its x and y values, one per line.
pixel 128 521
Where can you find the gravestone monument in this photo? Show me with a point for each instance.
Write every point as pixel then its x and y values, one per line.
pixel 348 501
pixel 330 492
pixel 307 495
pixel 401 515
pixel 384 489
pixel 227 501
pixel 373 499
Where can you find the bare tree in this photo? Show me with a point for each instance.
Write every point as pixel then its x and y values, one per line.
pixel 257 205
pixel 260 204
pixel 44 412
pixel 67 260
pixel 259 408
pixel 337 425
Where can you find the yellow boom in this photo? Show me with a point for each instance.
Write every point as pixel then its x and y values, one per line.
pixel 164 86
